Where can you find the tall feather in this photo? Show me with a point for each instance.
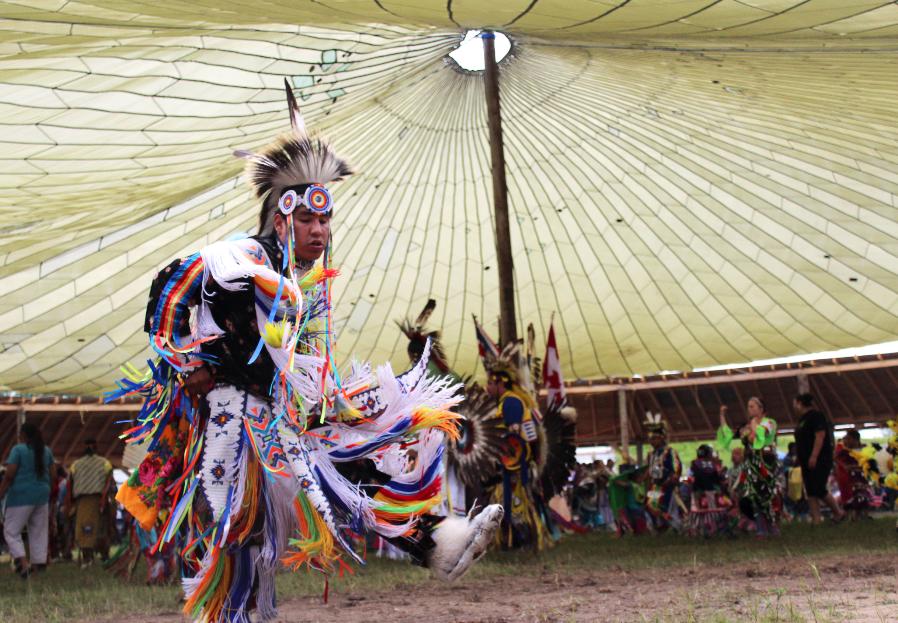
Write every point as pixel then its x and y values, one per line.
pixel 424 316
pixel 297 123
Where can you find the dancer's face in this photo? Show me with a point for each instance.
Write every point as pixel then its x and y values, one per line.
pixel 754 408
pixel 310 232
pixel 495 387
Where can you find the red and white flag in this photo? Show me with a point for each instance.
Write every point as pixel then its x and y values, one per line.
pixel 552 381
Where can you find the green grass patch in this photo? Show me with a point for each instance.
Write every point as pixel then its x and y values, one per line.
pixel 66 593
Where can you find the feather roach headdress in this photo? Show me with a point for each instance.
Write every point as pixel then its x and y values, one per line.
pixel 295 162
pixel 506 363
pixel 417 335
pixel 654 425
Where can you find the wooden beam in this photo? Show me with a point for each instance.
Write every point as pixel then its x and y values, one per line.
pixel 505 264
pixel 682 411
pixel 75 440
pixel 825 382
pixel 820 397
pixel 106 425
pixel 9 435
pixel 860 397
pixel 872 380
pixel 76 408
pixel 722 379
pixel 701 408
pixel 62 429
pixel 742 405
pixel 790 414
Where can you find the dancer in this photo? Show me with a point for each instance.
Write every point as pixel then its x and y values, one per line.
pixel 523 523
pixel 851 477
pixel 137 543
pixel 709 505
pixel 538 452
pixel 626 493
pixel 663 501
pixel 756 486
pixel 252 469
pixel 473 458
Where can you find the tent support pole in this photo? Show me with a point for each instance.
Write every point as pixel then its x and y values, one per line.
pixel 505 263
pixel 624 424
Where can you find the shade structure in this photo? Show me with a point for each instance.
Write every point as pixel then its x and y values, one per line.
pixel 691 183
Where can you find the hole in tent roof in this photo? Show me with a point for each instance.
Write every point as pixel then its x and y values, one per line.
pixel 469 53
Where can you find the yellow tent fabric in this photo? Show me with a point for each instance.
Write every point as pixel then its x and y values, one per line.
pixel 691 182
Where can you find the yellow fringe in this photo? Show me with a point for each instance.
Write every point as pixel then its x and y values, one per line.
pixel 441 419
pixel 317 545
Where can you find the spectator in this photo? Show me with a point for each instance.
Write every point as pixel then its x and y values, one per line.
pixel 26 487
pixel 791 458
pixel 61 538
pixel 884 461
pixel 90 479
pixel 815 446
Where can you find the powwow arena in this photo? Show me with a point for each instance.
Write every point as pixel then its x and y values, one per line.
pixel 370 310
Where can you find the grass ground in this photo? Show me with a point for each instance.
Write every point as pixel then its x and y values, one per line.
pixel 794 578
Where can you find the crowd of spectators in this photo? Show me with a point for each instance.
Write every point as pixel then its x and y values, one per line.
pixel 50 511
pixel 816 478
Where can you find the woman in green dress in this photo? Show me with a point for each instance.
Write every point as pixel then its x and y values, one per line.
pixel 757 482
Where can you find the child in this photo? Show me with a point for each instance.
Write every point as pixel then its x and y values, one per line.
pixel 710 505
pixel 627 496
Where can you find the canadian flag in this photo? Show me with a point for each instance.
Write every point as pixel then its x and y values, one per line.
pixel 552 381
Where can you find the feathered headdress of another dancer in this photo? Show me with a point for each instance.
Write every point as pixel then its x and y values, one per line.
pixel 417 335
pixel 507 366
pixel 294 161
pixel 654 425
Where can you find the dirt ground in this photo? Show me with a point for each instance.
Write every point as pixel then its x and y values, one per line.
pixel 835 588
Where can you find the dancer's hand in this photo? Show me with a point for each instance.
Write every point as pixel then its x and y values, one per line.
pixel 199 382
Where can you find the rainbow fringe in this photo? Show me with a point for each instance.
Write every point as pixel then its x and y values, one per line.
pixel 316 548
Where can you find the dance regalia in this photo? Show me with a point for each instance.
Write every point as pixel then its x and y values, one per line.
pixel 756 486
pixel 250 473
pixel 524 522
pixel 419 336
pixel 663 501
pixel 533 451
pixel 709 505
pixel 137 543
pixel 626 496
pixel 855 490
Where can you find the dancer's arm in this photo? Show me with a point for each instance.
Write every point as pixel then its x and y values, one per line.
pixel 725 434
pixel 818 446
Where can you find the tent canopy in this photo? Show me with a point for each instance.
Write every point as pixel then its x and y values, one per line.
pixel 691 182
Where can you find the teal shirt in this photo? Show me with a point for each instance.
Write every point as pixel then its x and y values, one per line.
pixel 27 488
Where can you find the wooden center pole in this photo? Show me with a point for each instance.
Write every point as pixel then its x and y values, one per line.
pixel 505 264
